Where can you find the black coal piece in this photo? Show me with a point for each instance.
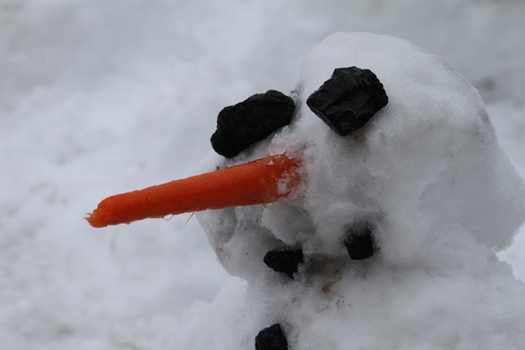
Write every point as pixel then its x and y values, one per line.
pixel 271 338
pixel 248 122
pixel 349 99
pixel 284 260
pixel 360 242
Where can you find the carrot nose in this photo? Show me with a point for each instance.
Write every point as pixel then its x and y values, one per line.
pixel 262 181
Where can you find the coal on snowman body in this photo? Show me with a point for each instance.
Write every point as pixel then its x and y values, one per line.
pixel 383 133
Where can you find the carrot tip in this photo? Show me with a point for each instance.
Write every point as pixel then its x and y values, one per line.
pixel 91 218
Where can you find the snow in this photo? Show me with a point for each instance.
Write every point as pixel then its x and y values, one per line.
pixel 99 98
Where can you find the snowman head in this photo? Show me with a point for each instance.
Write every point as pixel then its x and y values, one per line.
pixel 388 150
pixel 421 173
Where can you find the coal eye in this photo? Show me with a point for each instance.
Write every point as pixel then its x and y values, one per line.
pixel 349 99
pixel 248 122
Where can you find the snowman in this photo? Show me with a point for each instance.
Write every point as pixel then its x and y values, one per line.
pixel 378 180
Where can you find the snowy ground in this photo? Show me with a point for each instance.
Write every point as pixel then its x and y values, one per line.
pixel 98 98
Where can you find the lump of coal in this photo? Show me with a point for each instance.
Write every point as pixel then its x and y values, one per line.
pixel 271 338
pixel 284 260
pixel 241 125
pixel 348 100
pixel 360 242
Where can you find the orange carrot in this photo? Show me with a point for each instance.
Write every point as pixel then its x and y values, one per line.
pixel 262 181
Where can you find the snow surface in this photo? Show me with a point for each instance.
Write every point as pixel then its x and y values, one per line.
pixel 98 98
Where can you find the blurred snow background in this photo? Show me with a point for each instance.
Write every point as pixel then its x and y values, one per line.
pixel 99 97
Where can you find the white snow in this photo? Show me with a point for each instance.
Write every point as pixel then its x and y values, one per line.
pixel 98 98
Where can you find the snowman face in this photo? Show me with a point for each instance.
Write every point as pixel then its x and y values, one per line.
pixel 284 231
